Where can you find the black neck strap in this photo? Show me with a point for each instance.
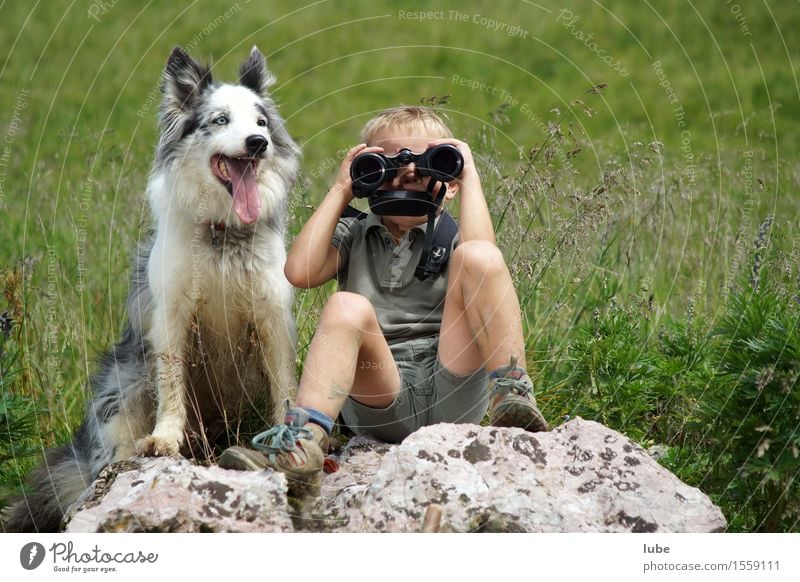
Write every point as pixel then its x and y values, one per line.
pixel 426 266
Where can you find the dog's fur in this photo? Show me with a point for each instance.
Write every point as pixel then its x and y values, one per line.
pixel 209 311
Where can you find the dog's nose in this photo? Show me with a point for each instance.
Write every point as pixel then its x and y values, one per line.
pixel 256 144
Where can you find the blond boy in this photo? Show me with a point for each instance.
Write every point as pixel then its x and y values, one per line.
pixel 392 352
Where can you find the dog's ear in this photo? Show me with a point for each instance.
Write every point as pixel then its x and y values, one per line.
pixel 254 74
pixel 184 80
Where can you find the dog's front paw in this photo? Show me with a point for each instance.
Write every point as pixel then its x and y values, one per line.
pixel 153 446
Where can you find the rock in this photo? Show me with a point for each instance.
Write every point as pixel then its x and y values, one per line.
pixel 579 477
pixel 168 495
pixel 658 452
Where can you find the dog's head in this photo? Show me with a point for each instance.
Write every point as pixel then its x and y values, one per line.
pixel 224 143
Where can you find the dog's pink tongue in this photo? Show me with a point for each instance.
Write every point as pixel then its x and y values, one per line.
pixel 246 201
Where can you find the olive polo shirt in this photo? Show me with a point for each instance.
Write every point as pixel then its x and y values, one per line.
pixel 380 270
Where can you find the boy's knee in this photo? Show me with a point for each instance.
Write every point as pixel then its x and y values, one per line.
pixel 349 310
pixel 478 257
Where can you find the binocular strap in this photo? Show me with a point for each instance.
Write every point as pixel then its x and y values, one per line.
pixel 438 238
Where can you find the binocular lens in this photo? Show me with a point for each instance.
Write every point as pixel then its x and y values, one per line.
pixel 368 169
pixel 446 161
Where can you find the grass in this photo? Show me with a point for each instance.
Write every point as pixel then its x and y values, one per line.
pixel 628 206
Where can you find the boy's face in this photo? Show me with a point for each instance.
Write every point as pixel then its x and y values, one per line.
pixel 392 140
pixel 416 139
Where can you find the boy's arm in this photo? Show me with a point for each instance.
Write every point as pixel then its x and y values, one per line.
pixel 312 259
pixel 474 221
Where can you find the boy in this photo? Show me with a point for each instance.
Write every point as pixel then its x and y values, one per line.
pixel 392 352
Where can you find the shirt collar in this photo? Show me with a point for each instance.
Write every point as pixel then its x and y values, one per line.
pixel 374 221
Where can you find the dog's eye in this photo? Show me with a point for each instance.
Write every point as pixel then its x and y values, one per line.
pixel 262 122
pixel 221 120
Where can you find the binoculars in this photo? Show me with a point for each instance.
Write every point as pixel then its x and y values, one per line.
pixel 369 170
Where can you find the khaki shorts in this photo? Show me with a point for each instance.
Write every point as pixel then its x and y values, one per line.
pixel 429 394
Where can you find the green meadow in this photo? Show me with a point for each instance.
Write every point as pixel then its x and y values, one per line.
pixel 640 161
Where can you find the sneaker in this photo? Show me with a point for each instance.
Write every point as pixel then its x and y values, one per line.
pixel 511 400
pixel 296 449
pixel 242 459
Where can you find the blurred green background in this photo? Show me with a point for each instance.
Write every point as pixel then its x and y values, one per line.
pixel 92 65
pixel 710 81
pixel 91 68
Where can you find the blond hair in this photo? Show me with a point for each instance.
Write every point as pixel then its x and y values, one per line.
pixel 405 117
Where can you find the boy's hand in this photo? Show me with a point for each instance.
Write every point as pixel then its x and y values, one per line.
pixel 343 183
pixel 474 221
pixel 469 175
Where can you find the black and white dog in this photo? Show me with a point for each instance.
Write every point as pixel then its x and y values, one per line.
pixel 209 313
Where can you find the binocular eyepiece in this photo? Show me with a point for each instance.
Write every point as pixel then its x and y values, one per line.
pixel 369 170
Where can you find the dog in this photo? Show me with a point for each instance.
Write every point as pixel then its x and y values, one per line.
pixel 209 320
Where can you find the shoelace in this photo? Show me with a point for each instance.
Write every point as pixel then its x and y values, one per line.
pixel 516 384
pixel 280 439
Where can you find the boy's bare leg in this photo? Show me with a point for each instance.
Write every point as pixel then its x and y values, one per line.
pixel 348 356
pixel 481 325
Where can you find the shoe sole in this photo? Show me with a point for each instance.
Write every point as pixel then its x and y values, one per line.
pixel 241 459
pixel 520 417
pixel 307 485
